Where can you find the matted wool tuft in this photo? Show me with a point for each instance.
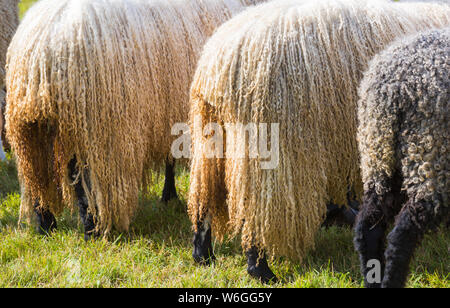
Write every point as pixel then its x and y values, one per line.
pixel 296 63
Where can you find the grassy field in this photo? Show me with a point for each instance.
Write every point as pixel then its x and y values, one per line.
pixel 157 251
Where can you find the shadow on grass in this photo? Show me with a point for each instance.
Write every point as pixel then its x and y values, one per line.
pixel 9 182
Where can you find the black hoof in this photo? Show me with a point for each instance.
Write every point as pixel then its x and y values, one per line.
pixel 45 229
pixel 46 220
pixel 89 228
pixel 258 268
pixel 262 273
pixel 169 195
pixel 203 259
pixel 91 236
pixel 203 252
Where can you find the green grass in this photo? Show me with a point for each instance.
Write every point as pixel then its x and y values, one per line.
pixel 157 250
pixel 24 5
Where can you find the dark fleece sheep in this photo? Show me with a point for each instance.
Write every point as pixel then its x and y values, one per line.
pixel 403 137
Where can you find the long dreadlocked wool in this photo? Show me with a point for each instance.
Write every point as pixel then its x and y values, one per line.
pixel 9 21
pixel 102 81
pixel 404 118
pixel 296 63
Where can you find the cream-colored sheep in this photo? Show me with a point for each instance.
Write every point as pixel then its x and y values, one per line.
pixel 298 64
pixel 94 87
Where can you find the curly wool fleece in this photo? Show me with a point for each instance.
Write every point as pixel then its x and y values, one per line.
pixel 404 118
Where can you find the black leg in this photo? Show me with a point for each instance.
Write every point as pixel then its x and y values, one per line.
pixel 46 220
pixel 370 231
pixel 86 218
pixel 411 224
pixel 203 251
pixel 169 190
pixel 257 266
pixel 82 203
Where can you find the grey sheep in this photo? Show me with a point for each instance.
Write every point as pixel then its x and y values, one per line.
pixel 403 138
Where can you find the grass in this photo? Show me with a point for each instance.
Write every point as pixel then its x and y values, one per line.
pixel 24 5
pixel 157 250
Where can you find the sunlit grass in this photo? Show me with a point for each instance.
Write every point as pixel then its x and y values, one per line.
pixel 24 5
pixel 156 252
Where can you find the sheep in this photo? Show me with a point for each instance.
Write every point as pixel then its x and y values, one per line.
pixel 9 20
pixel 93 88
pixel 403 137
pixel 296 64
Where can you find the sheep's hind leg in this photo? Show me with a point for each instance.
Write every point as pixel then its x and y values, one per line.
pixel 413 221
pixel 203 250
pixel 46 220
pixel 169 190
pixel 370 232
pixel 257 266
pixel 82 203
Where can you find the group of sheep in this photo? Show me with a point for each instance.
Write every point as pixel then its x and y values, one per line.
pixel 95 86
